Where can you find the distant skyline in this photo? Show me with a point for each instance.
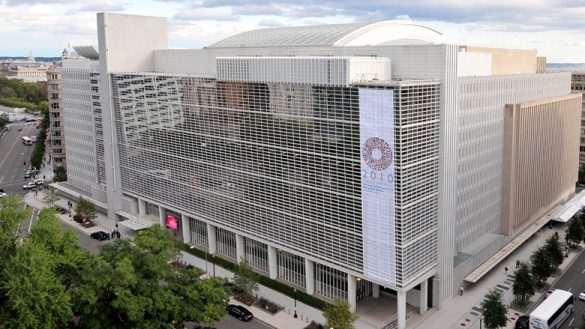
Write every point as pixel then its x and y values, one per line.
pixel 555 28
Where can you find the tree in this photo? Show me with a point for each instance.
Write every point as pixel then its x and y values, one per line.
pixel 11 214
pixel 60 174
pixel 495 314
pixel 86 209
pixel 4 120
pixel 555 250
pixel 523 286
pixel 245 280
pixel 7 92
pixel 541 266
pixel 132 284
pixel 339 315
pixel 575 232
pixel 50 196
pixel 36 297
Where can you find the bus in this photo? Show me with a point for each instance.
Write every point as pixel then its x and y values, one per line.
pixel 26 140
pixel 553 311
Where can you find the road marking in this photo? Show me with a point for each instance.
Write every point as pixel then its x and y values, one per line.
pixel 1 179
pixel 31 220
pixel 571 321
pixel 582 271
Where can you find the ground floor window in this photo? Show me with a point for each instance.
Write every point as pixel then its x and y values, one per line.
pixel 291 268
pixel 198 232
pixel 330 283
pixel 226 243
pixel 174 223
pixel 257 254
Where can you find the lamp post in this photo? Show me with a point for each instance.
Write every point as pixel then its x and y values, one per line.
pixel 213 263
pixel 480 319
pixel 295 297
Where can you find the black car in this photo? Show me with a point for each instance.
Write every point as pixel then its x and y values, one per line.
pixel 100 235
pixel 239 312
pixel 522 322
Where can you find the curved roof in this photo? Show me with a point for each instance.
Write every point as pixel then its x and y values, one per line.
pixel 335 35
pixel 87 51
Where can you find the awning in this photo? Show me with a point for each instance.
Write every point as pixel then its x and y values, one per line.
pixel 137 224
pixel 567 213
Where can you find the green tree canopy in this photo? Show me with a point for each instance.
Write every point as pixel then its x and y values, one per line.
pixel 134 285
pixel 245 279
pixel 541 265
pixel 494 310
pixel 339 315
pixel 555 250
pixel 85 208
pixel 523 286
pixel 575 231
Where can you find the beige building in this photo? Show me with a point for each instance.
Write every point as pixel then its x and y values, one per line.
pixel 510 61
pixel 578 86
pixel 540 158
pixel 56 132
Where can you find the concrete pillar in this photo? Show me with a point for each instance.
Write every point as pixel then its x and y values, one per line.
pixel 401 306
pixel 351 291
pixel 161 216
pixel 272 263
pixel 310 276
pixel 211 239
pixel 424 294
pixel 186 228
pixel 240 248
pixel 375 290
pixel 141 207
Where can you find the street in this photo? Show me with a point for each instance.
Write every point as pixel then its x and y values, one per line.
pixel 573 280
pixel 13 154
pixel 230 322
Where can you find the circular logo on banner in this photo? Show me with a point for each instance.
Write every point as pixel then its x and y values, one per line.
pixel 377 153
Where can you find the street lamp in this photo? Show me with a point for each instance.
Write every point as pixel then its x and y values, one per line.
pixel 480 319
pixel 213 263
pixel 295 296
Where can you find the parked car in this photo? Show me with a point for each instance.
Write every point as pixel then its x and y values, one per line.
pixel 239 312
pixel 27 174
pixel 582 295
pixel 2 193
pixel 29 185
pixel 99 235
pixel 39 181
pixel 522 322
pixel 33 170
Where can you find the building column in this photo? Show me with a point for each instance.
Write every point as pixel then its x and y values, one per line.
pixel 161 216
pixel 310 276
pixel 240 248
pixel 141 207
pixel 272 263
pixel 186 228
pixel 375 290
pixel 211 239
pixel 351 291
pixel 401 306
pixel 424 286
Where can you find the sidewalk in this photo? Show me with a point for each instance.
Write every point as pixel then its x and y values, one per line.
pixel 464 311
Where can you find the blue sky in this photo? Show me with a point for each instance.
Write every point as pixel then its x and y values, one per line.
pixel 555 27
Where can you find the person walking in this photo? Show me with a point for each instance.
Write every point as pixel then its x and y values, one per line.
pixel 506 270
pixel 461 291
pixel 517 263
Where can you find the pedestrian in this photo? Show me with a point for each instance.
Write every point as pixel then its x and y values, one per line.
pixel 43 176
pixel 517 263
pixel 118 234
pixel 557 235
pixel 461 291
pixel 506 269
pixel 113 235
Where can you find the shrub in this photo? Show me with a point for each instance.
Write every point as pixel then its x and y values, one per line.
pixel 78 218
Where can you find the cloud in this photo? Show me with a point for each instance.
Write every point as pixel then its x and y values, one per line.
pixel 201 13
pixel 270 23
pixel 256 9
pixel 98 7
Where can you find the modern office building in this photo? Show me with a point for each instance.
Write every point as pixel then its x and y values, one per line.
pixel 348 161
pixel 578 86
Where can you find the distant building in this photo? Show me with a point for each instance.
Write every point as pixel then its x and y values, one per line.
pixel 578 86
pixel 27 70
pixel 55 134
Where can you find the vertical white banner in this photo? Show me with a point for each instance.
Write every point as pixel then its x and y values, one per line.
pixel 377 170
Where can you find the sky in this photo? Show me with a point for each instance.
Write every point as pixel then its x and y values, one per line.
pixel 556 28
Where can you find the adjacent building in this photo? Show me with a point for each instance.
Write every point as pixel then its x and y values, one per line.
pixel 578 86
pixel 348 161
pixel 56 135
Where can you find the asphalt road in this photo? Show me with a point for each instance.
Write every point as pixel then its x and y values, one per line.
pixel 573 280
pixel 13 153
pixel 230 322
